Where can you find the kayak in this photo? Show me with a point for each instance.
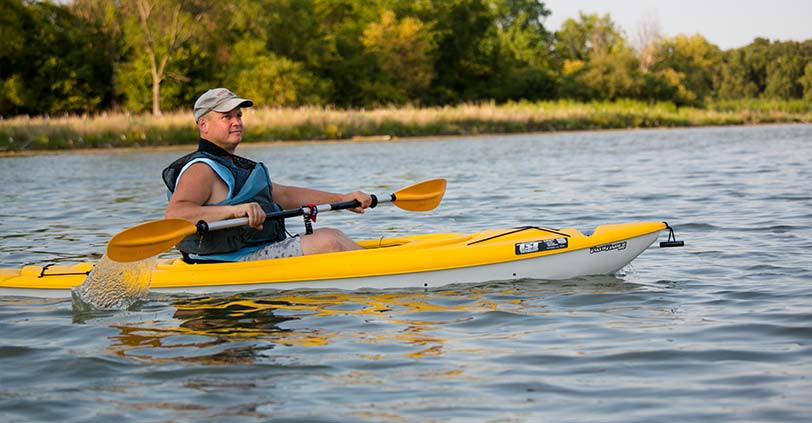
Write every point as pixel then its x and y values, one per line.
pixel 425 261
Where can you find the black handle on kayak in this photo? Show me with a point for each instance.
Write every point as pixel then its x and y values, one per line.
pixel 672 239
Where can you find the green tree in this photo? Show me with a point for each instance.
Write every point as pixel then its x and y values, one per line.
pixel 693 62
pixel 597 62
pixel 296 29
pixel 736 78
pixel 465 52
pixel 404 52
pixel 523 38
pixel 590 35
pixel 524 66
pixel 743 72
pixel 103 22
pixel 15 16
pixel 157 33
pixel 49 61
pixel 786 68
pixel 612 76
pixel 806 82
pixel 272 80
pixel 345 61
pixel 783 78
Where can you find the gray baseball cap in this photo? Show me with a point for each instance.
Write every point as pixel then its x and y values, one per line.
pixel 220 100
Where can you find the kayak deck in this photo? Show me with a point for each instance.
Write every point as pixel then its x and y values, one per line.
pixel 410 261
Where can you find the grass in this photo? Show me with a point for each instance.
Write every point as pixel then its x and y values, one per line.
pixel 319 123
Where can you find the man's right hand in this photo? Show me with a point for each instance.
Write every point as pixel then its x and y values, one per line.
pixel 255 214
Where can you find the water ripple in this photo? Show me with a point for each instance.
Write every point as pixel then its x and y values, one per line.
pixel 716 331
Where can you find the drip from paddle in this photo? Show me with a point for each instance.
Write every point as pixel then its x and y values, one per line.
pixel 114 286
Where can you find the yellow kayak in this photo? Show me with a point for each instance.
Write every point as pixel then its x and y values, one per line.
pixel 424 261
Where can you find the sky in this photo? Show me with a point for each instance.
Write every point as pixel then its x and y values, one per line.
pixel 726 23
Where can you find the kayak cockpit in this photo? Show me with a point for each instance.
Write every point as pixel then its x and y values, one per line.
pixel 415 241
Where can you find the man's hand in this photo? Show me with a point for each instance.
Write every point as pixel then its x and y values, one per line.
pixel 360 196
pixel 255 214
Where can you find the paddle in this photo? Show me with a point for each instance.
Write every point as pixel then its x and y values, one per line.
pixel 151 238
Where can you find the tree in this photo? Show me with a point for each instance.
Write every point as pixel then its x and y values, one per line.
pixel 523 38
pixel 783 78
pixel 156 31
pixel 743 71
pixel 48 61
pixel 612 76
pixel 646 38
pixel 785 70
pixel 524 64
pixel 806 82
pixel 466 50
pixel 588 36
pixel 103 22
pixel 694 61
pixel 344 61
pixel 272 80
pixel 404 51
pixel 13 56
pixel 773 70
pixel 597 62
pixel 736 79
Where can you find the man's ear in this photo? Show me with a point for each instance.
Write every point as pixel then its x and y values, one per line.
pixel 202 124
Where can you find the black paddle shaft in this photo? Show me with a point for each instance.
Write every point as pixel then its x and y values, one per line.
pixel 312 210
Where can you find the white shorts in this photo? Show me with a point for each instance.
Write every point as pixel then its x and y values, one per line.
pixel 288 247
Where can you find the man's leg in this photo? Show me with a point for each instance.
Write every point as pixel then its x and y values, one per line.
pixel 288 247
pixel 327 240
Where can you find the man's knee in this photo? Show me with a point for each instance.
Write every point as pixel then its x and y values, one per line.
pixel 326 240
pixel 331 239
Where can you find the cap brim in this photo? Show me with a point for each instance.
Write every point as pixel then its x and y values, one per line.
pixel 233 104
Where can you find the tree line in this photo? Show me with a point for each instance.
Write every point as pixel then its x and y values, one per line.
pixel 90 56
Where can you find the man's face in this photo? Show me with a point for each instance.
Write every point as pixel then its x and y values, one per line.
pixel 223 129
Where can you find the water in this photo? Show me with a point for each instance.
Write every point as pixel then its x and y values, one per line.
pixel 112 285
pixel 719 330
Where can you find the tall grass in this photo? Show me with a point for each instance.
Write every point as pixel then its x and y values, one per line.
pixel 318 123
pixel 763 106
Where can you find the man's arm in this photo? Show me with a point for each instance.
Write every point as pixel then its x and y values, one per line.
pixel 198 187
pixel 290 197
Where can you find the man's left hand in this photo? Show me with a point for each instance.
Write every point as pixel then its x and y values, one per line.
pixel 360 196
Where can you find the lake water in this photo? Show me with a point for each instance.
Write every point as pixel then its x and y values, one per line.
pixel 719 330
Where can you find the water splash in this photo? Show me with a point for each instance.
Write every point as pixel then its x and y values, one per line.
pixel 113 285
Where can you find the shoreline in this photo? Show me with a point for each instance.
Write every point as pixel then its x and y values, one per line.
pixel 25 135
pixel 389 139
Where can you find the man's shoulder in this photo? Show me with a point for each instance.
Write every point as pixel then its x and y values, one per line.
pixel 199 174
pixel 195 165
pixel 202 165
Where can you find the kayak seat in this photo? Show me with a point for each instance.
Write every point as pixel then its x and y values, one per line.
pixel 188 260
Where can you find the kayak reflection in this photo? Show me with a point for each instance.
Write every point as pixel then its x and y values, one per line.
pixel 225 330
pixel 375 325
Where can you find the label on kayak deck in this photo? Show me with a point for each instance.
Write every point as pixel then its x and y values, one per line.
pixel 616 246
pixel 543 245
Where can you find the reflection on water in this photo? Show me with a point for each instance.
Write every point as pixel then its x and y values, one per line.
pixel 242 328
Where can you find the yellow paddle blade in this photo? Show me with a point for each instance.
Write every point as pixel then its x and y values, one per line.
pixel 423 196
pixel 148 239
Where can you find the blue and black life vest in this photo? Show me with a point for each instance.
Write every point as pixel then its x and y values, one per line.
pixel 247 182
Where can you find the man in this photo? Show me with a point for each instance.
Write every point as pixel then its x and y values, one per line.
pixel 215 184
